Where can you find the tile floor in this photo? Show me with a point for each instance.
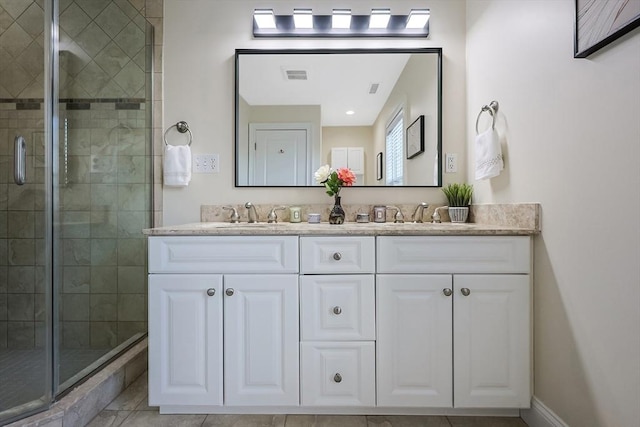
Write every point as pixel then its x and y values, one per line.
pixel 130 409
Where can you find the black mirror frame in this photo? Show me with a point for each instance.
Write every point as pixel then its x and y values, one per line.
pixel 239 52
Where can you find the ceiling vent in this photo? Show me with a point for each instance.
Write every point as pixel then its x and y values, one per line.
pixel 373 88
pixel 296 74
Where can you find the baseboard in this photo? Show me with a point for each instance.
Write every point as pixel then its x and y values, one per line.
pixel 541 416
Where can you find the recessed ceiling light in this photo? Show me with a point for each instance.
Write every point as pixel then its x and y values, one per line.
pixel 379 18
pixel 341 18
pixel 350 113
pixel 303 18
pixel 264 18
pixel 418 18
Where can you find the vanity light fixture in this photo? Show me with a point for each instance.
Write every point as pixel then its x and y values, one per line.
pixel 303 18
pixel 341 19
pixel 379 18
pixel 264 18
pixel 418 18
pixel 350 113
pixel 341 23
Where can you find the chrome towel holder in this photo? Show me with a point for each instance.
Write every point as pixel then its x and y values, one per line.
pixel 182 127
pixel 492 108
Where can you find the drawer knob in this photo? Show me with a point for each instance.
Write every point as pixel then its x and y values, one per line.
pixel 337 378
pixel 337 310
pixel 447 292
pixel 465 291
pixel 337 256
pixel 211 292
pixel 229 292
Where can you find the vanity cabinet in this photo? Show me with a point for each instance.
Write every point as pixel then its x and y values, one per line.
pixel 226 337
pixel 339 324
pixel 472 328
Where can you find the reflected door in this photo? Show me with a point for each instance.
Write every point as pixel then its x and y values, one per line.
pixel 279 157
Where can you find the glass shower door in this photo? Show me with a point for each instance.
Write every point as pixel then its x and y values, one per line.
pixel 25 242
pixel 103 182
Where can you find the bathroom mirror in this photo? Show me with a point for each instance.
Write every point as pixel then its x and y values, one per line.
pixel 299 109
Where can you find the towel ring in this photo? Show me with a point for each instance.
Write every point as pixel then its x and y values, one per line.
pixel 182 127
pixel 492 108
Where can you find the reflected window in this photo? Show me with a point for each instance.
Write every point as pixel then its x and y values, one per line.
pixel 394 150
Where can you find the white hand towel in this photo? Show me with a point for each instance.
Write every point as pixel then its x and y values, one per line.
pixel 489 161
pixel 177 165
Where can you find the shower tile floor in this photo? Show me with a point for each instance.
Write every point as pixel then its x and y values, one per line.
pixel 130 409
pixel 22 372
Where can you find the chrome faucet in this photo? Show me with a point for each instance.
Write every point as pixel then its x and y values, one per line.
pixel 251 212
pixel 417 214
pixel 272 217
pixel 234 218
pixel 398 217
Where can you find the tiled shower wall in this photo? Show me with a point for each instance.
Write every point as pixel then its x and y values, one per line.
pixel 105 164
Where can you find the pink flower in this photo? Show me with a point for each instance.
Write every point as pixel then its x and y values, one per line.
pixel 346 176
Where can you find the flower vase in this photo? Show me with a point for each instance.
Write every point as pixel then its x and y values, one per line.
pixel 336 216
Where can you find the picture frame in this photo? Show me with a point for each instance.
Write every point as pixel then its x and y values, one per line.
pixel 379 166
pixel 599 23
pixel 415 138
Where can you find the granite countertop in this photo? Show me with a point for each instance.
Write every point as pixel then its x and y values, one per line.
pixel 521 219
pixel 346 229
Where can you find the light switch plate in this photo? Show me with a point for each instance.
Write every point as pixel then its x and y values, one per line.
pixel 206 163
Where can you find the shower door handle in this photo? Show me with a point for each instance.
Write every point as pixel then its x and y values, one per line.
pixel 20 160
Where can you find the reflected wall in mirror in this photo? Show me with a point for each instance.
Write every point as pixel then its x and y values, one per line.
pixel 299 109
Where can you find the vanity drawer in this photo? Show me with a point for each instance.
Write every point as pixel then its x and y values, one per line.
pixel 454 254
pixel 223 254
pixel 336 255
pixel 337 374
pixel 337 307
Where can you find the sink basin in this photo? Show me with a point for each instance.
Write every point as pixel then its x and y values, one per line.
pixel 421 224
pixel 242 224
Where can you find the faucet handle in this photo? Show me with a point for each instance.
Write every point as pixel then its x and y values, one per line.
pixel 436 214
pixel 234 217
pixel 398 217
pixel 272 217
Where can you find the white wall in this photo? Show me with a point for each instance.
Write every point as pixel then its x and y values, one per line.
pixel 572 131
pixel 200 38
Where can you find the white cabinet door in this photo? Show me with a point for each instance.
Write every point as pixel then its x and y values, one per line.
pixel 348 157
pixel 261 340
pixel 185 339
pixel 355 157
pixel 414 340
pixel 492 341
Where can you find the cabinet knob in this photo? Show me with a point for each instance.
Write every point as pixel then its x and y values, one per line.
pixel 447 292
pixel 337 378
pixel 337 310
pixel 229 292
pixel 337 256
pixel 465 291
pixel 211 292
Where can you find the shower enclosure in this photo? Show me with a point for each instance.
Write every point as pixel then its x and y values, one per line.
pixel 75 191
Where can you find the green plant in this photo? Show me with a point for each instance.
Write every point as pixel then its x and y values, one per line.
pixel 458 195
